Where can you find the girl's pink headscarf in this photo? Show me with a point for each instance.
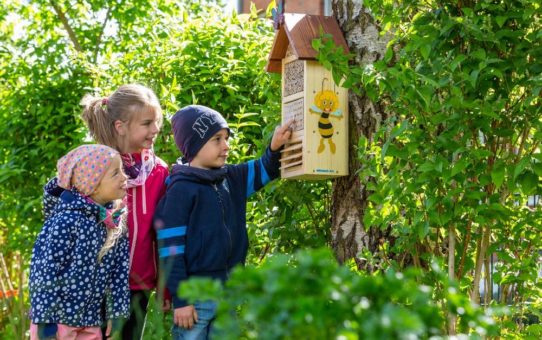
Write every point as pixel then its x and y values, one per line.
pixel 84 167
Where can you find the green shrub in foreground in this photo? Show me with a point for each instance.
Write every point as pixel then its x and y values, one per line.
pixel 308 295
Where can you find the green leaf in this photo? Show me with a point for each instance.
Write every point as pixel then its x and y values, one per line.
pixel 473 77
pixel 457 61
pixel 316 44
pixel 479 54
pixel 425 50
pixel 520 167
pixel 362 142
pixel 426 166
pixel 498 174
pixel 528 182
pixel 389 55
pixel 501 20
pixel 537 167
pixel 459 166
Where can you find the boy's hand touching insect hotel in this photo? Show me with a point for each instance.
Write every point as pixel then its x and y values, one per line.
pixel 282 135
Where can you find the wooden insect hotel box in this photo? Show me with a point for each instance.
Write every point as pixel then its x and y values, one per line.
pixel 318 148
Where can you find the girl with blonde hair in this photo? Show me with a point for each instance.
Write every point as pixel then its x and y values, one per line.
pixel 129 121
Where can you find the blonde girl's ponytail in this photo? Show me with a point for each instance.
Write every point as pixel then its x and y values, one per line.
pixel 99 121
pixel 113 235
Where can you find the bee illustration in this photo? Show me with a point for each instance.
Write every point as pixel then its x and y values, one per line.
pixel 326 104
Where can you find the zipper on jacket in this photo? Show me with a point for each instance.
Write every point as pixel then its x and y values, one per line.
pixel 144 200
pixel 134 238
pixel 223 220
pixel 90 298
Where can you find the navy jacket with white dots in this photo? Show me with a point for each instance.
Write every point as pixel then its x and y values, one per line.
pixel 67 282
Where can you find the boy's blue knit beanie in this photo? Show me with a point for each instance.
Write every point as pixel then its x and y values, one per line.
pixel 193 126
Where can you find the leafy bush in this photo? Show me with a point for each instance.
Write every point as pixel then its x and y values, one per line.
pixel 309 296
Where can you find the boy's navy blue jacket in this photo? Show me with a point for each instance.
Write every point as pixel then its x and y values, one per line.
pixel 67 283
pixel 201 220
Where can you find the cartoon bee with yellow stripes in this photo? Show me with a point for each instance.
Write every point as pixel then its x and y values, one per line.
pixel 326 104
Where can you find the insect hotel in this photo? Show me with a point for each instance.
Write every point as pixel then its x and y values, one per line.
pixel 318 148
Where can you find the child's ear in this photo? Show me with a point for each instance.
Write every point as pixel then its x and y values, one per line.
pixel 120 127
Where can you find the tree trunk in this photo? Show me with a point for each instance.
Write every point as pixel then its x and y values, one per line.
pixel 350 236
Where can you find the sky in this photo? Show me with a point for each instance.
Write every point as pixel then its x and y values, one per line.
pixel 230 4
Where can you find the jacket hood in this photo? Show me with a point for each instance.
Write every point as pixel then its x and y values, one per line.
pixel 56 198
pixel 51 197
pixel 186 172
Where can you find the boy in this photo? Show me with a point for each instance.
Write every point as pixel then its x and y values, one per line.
pixel 201 222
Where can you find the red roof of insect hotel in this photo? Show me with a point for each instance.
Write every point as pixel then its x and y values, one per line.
pixel 299 30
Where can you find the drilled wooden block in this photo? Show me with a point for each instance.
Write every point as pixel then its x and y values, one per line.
pixel 293 77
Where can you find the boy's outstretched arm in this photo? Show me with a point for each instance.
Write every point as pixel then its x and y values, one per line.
pixel 253 175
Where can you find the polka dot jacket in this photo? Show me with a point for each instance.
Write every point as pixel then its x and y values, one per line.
pixel 67 284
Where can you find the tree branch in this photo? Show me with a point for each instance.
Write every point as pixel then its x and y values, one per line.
pixel 99 38
pixel 466 242
pixel 66 25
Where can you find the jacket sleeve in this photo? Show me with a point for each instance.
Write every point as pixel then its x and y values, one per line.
pixel 162 291
pixel 171 223
pixel 49 258
pixel 255 174
pixel 119 297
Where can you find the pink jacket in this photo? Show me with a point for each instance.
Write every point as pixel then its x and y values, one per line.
pixel 141 203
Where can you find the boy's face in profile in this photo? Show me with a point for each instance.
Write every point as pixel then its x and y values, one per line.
pixel 214 153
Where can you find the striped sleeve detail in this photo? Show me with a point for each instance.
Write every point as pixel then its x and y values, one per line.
pixel 265 176
pixel 170 251
pixel 262 171
pixel 171 241
pixel 251 177
pixel 171 232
